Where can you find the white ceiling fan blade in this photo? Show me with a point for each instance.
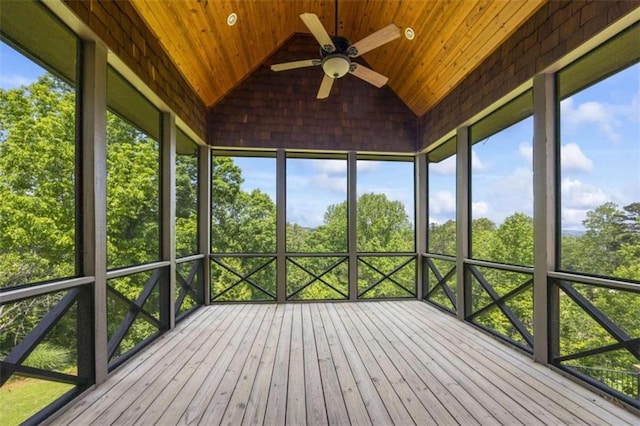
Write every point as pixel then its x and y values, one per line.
pixel 377 39
pixel 325 87
pixel 369 75
pixel 312 22
pixel 295 64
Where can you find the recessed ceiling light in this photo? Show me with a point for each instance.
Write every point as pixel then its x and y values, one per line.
pixel 232 19
pixel 409 34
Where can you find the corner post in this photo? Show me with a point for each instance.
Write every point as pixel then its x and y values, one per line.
pixel 421 220
pixel 463 225
pixel 204 218
pixel 168 239
pixel 545 298
pixel 94 197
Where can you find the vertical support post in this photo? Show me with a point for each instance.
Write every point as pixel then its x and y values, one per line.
pixel 168 288
pixel 94 199
pixel 422 219
pixel 463 225
pixel 204 218
pixel 545 298
pixel 281 226
pixel 352 221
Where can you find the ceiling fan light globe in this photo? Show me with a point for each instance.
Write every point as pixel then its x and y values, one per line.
pixel 336 66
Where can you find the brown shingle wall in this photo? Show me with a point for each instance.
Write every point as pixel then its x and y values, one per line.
pixel 556 29
pixel 126 35
pixel 280 110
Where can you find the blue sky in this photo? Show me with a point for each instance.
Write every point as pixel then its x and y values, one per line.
pixel 600 139
pixel 600 159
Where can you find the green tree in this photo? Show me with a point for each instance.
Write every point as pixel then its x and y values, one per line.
pixel 37 182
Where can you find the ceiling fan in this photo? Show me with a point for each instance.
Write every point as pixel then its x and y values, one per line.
pixel 336 53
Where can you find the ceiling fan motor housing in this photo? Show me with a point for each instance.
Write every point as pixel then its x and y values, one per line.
pixel 337 63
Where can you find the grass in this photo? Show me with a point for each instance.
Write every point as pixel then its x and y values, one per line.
pixel 21 398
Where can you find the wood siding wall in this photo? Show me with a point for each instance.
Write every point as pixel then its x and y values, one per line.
pixel 280 110
pixel 124 32
pixel 555 30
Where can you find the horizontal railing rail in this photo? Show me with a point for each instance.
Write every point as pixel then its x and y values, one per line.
pixel 41 289
pixel 130 270
pixel 597 281
pixel 190 258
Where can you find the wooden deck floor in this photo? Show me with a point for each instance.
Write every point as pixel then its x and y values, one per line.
pixel 378 363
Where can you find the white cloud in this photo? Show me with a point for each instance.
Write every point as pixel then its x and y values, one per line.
pixel 330 183
pixel 444 167
pixel 305 214
pixel 573 159
pixel 573 218
pixel 331 166
pixel 603 115
pixel 442 202
pixel 479 209
pixel 526 151
pixel 14 81
pixel 476 163
pixel 578 195
pixel 368 166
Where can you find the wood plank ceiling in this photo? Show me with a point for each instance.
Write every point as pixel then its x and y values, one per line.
pixel 452 38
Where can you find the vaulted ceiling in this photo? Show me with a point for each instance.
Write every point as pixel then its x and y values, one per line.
pixel 451 38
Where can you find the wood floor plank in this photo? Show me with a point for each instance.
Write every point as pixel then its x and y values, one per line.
pixel 335 397
pixel 189 380
pixel 450 394
pixel 544 396
pixel 337 336
pixel 217 364
pixel 113 402
pixel 509 388
pixel 383 363
pixel 219 400
pixel 169 341
pixel 570 396
pixel 237 404
pixel 489 397
pixel 296 397
pixel 276 411
pixel 432 404
pixel 397 390
pixel 257 400
pixel 147 404
pixel 314 396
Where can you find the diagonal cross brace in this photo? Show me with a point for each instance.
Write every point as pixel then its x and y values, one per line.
pixel 244 278
pixel 23 349
pixel 317 277
pixel 503 299
pixel 187 285
pixel 513 319
pixel 132 314
pixel 605 322
pixel 442 281
pixel 386 276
